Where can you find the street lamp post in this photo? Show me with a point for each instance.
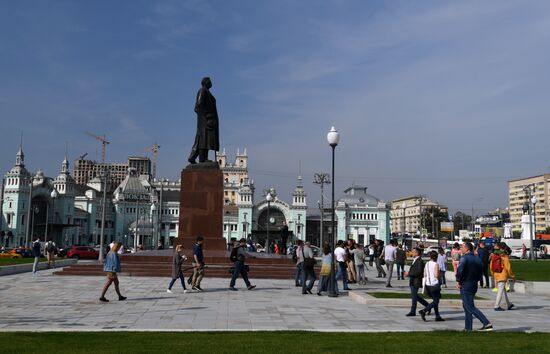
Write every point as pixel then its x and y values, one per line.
pixel 54 195
pixel 153 212
pixel 404 207
pixel 332 137
pixel 533 220
pixel 104 175
pixel 321 179
pixel 29 212
pixel 473 221
pixel 268 198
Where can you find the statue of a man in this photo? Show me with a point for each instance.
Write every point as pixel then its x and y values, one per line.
pixel 207 137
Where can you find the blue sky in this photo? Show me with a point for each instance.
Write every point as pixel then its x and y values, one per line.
pixel 448 99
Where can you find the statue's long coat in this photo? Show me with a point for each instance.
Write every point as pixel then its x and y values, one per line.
pixel 208 134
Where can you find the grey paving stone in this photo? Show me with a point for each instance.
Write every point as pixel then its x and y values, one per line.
pixel 71 303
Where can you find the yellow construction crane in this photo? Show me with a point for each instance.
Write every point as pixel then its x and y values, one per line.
pixel 104 143
pixel 154 149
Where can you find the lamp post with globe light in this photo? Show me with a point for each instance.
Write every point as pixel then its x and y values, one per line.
pixel 333 138
pixel 268 198
pixel 54 195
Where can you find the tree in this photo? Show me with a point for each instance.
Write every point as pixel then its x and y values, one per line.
pixel 462 221
pixel 432 216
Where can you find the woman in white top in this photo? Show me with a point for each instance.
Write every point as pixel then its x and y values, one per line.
pixel 431 276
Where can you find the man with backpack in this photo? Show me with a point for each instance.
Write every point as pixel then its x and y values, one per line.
pixel 238 257
pixel 51 251
pixel 308 268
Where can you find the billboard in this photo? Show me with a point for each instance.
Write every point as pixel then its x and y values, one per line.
pixel 447 226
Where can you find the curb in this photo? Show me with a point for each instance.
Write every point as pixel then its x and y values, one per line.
pixel 365 299
pixel 27 268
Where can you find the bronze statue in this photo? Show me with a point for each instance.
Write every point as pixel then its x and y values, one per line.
pixel 207 137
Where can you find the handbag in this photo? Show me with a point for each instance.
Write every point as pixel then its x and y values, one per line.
pixel 309 263
pixel 382 261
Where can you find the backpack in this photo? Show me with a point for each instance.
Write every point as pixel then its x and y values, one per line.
pixel 496 263
pixel 456 256
pixel 294 255
pixel 233 255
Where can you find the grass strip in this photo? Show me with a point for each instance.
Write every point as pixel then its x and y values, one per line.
pixel 273 342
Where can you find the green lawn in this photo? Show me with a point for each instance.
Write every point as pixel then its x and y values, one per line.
pixel 531 270
pixel 12 261
pixel 396 295
pixel 273 342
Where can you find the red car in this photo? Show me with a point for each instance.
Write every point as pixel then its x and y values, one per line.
pixel 82 252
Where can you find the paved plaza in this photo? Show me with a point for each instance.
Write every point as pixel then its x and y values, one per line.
pixel 46 302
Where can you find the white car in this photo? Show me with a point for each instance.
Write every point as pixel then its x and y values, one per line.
pixel 517 253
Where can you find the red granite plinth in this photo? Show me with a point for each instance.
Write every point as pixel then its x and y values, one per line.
pixel 201 207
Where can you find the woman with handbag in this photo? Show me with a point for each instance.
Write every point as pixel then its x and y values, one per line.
pixel 177 272
pixel 431 276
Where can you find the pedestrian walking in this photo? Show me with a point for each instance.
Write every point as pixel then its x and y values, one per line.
pixel 388 254
pixel 359 255
pixel 340 255
pixel 308 269
pixel 352 276
pixel 35 254
pixel 371 253
pixel 378 248
pixel 468 274
pixel 112 267
pixel 501 269
pixel 442 263
pixel 433 286
pixel 324 274
pixel 483 253
pixel 51 251
pixel 415 274
pixel 297 257
pixel 455 256
pixel 198 264
pixel 400 258
pixel 177 272
pixel 238 256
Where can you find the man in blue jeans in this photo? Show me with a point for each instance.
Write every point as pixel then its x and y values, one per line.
pixel 240 267
pixel 341 258
pixel 469 273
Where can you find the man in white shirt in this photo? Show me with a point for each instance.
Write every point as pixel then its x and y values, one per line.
pixel 389 257
pixel 340 256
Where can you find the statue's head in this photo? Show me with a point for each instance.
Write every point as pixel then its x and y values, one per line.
pixel 206 82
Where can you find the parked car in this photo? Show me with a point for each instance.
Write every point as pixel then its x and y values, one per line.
pixel 7 254
pixel 82 252
pixel 517 253
pixel 24 252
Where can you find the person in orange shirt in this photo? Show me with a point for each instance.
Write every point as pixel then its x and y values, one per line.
pixel 502 271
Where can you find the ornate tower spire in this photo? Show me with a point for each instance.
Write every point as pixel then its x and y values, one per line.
pixel 20 156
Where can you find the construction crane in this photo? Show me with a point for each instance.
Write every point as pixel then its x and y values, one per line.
pixel 81 157
pixel 154 149
pixel 104 143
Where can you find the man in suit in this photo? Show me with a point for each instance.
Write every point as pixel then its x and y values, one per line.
pixel 468 274
pixel 415 274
